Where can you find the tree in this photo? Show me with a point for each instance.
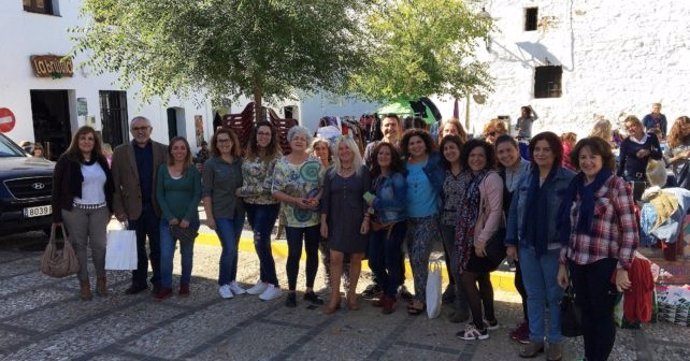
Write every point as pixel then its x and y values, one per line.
pixel 422 47
pixel 221 48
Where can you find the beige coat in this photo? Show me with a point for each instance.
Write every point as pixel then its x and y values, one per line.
pixel 127 197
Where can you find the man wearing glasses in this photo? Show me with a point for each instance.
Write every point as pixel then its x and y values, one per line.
pixel 134 170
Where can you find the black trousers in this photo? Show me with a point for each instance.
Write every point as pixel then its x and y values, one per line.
pixel 596 296
pixel 148 224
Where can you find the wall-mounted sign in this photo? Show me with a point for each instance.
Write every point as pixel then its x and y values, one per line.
pixel 7 120
pixel 54 66
pixel 82 107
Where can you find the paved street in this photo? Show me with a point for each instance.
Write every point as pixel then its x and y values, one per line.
pixel 41 318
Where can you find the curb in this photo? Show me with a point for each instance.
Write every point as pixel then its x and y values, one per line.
pixel 500 280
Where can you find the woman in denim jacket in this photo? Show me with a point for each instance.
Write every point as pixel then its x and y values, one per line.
pixel 425 177
pixel 532 236
pixel 388 226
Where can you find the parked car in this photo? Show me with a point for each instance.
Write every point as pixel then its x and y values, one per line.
pixel 26 184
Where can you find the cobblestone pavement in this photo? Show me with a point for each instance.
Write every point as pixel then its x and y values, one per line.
pixel 41 318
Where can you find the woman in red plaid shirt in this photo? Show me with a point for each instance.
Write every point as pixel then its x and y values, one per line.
pixel 599 234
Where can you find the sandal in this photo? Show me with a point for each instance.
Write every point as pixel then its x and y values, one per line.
pixel 415 311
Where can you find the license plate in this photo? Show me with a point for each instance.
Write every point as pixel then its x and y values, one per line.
pixel 38 211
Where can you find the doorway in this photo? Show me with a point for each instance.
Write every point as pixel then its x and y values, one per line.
pixel 176 123
pixel 51 119
pixel 114 117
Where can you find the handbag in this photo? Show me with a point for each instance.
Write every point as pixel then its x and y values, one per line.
pixel 433 290
pixel 59 262
pixel 571 315
pixel 121 250
pixel 183 234
pixel 496 249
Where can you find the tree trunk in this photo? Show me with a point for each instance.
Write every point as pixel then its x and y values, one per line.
pixel 257 101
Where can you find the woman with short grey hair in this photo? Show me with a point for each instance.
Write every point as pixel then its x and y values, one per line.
pixel 296 183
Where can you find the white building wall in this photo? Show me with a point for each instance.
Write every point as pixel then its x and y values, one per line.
pixel 23 34
pixel 617 57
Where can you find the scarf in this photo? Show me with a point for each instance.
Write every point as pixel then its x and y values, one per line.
pixel 535 231
pixel 464 231
pixel 577 188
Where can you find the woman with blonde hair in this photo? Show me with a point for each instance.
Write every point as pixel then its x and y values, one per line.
pixel 603 129
pixel 344 218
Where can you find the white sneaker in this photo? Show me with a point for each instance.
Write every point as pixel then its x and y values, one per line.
pixel 272 292
pixel 236 289
pixel 225 292
pixel 258 289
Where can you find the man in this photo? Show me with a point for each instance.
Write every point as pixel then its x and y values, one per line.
pixel 390 127
pixel 524 122
pixel 134 168
pixel 655 120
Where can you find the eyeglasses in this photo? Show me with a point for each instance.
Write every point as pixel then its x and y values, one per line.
pixel 140 129
pixel 223 140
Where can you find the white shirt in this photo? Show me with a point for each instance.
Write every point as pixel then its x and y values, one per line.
pixel 92 188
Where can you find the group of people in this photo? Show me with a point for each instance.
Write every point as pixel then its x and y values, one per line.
pixel 566 216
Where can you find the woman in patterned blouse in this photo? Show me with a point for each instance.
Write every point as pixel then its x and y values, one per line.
pixel 599 234
pixel 296 182
pixel 262 210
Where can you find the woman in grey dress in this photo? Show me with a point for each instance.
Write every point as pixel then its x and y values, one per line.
pixel 344 218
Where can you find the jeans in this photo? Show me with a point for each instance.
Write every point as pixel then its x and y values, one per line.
pixel 87 227
pixel 147 225
pixel 294 236
pixel 262 218
pixel 596 297
pixel 168 252
pixel 227 231
pixel 385 250
pixel 539 275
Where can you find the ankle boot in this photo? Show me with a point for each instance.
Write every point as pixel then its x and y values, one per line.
pixel 85 291
pixel 101 288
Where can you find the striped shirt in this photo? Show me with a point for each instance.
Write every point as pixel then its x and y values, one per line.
pixel 615 231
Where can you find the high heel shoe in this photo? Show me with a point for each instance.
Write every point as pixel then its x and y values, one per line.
pixel 332 307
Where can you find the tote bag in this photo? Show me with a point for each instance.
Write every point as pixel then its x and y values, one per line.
pixel 59 262
pixel 433 290
pixel 121 250
pixel 571 315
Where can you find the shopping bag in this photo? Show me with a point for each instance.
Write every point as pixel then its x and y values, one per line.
pixel 571 315
pixel 121 250
pixel 59 262
pixel 433 290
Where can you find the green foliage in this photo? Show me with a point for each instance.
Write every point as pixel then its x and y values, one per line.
pixel 219 48
pixel 420 48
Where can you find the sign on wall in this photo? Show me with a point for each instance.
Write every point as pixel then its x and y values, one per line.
pixel 7 120
pixel 54 66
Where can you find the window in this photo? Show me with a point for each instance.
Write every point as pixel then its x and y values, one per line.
pixel 547 81
pixel 39 6
pixel 531 19
pixel 114 116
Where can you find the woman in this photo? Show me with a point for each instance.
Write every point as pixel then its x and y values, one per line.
pixel 425 178
pixel 532 237
pixel 568 139
pixel 387 222
pixel 221 177
pixel 493 129
pixel 511 168
pixel 636 150
pixel 296 182
pixel 83 199
pixel 321 149
pixel 37 152
pixel 453 188
pixel 678 142
pixel 452 126
pixel 599 235
pixel 603 129
pixel 262 209
pixel 344 218
pixel 178 192
pixel 479 223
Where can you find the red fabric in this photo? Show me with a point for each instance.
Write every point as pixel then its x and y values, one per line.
pixel 637 304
